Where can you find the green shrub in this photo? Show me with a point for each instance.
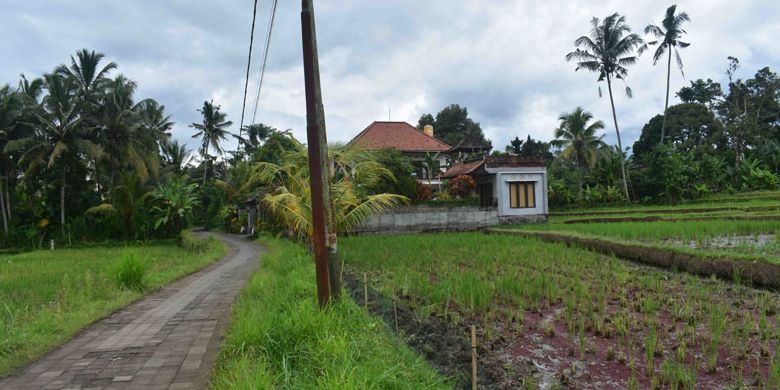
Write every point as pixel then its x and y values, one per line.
pixel 130 271
pixel 192 243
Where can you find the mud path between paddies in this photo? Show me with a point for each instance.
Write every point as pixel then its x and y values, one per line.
pixel 757 272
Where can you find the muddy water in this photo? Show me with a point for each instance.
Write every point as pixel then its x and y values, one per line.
pixel 721 242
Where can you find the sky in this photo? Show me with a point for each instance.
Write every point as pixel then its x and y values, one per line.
pixel 502 59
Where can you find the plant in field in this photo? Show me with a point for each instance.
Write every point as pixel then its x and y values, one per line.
pixel 355 175
pixel 650 348
pixel 462 186
pixel 129 272
pixel 175 202
pixel 717 324
pixel 608 50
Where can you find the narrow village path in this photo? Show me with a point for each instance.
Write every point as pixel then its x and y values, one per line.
pixel 167 340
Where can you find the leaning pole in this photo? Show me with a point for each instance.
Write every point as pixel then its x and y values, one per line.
pixel 323 226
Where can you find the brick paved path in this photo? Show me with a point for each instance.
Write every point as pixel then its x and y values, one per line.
pixel 167 340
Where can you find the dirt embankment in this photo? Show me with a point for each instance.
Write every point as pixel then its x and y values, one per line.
pixel 653 218
pixel 759 273
pixel 442 343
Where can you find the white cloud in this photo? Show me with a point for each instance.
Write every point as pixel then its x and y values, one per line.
pixel 502 59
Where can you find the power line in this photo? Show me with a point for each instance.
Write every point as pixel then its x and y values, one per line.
pixel 248 65
pixel 265 57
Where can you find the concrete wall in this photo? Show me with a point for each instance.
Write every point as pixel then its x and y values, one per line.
pixel 437 219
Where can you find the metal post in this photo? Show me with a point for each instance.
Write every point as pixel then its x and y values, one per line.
pixel 323 232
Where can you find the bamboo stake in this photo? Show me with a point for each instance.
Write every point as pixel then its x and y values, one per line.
pixel 395 312
pixel 473 357
pixel 365 290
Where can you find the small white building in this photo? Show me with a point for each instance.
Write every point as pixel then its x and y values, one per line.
pixel 515 185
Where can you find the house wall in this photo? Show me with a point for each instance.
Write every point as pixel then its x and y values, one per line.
pixel 413 219
pixel 504 176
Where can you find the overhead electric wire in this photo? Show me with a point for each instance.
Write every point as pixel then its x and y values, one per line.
pixel 265 57
pixel 248 67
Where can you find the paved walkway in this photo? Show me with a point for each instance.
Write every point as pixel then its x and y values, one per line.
pixel 167 340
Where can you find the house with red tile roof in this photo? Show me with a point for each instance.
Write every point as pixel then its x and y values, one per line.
pixel 410 141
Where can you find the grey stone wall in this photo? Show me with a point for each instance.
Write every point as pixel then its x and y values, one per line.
pixel 438 219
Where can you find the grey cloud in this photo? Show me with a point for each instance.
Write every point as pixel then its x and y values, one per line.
pixel 502 59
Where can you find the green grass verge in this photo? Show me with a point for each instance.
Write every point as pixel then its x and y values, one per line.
pixel 46 297
pixel 279 338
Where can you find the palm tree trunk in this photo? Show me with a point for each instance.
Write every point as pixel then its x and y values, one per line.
pixel 8 195
pixel 620 143
pixel 666 105
pixel 205 171
pixel 2 208
pixel 62 202
pixel 582 173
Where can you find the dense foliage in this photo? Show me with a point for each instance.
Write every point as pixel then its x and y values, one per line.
pixel 81 158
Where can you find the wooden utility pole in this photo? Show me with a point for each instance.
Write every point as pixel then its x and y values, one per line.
pixel 323 226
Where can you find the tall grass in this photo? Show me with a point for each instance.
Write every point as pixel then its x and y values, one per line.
pixel 130 270
pixel 279 338
pixel 46 297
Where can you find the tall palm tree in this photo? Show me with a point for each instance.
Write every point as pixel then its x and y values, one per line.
pixel 175 155
pixel 212 132
pixel 87 74
pixel 60 133
pixel 577 137
pixel 11 106
pixel 608 51
pixel 152 118
pixel 669 35
pixel 128 141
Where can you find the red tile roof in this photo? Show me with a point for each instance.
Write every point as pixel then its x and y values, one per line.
pixel 398 135
pixel 461 168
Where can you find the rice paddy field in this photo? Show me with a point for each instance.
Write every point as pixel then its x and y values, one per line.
pixel 552 315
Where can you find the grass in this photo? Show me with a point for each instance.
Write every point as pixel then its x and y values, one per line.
pixel 46 297
pixel 130 271
pixel 596 305
pixel 279 338
pixel 661 230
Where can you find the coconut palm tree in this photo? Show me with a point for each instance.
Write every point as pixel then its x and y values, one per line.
pixel 669 35
pixel 87 74
pixel 608 51
pixel 129 140
pixel 577 137
pixel 175 155
pixel 59 133
pixel 355 173
pixel 11 106
pixel 211 131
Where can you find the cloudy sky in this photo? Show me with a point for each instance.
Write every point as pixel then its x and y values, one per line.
pixel 502 59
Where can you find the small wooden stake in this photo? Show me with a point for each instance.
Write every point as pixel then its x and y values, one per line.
pixel 365 290
pixel 395 313
pixel 473 357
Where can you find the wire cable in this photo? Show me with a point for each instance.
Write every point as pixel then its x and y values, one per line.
pixel 265 57
pixel 248 67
